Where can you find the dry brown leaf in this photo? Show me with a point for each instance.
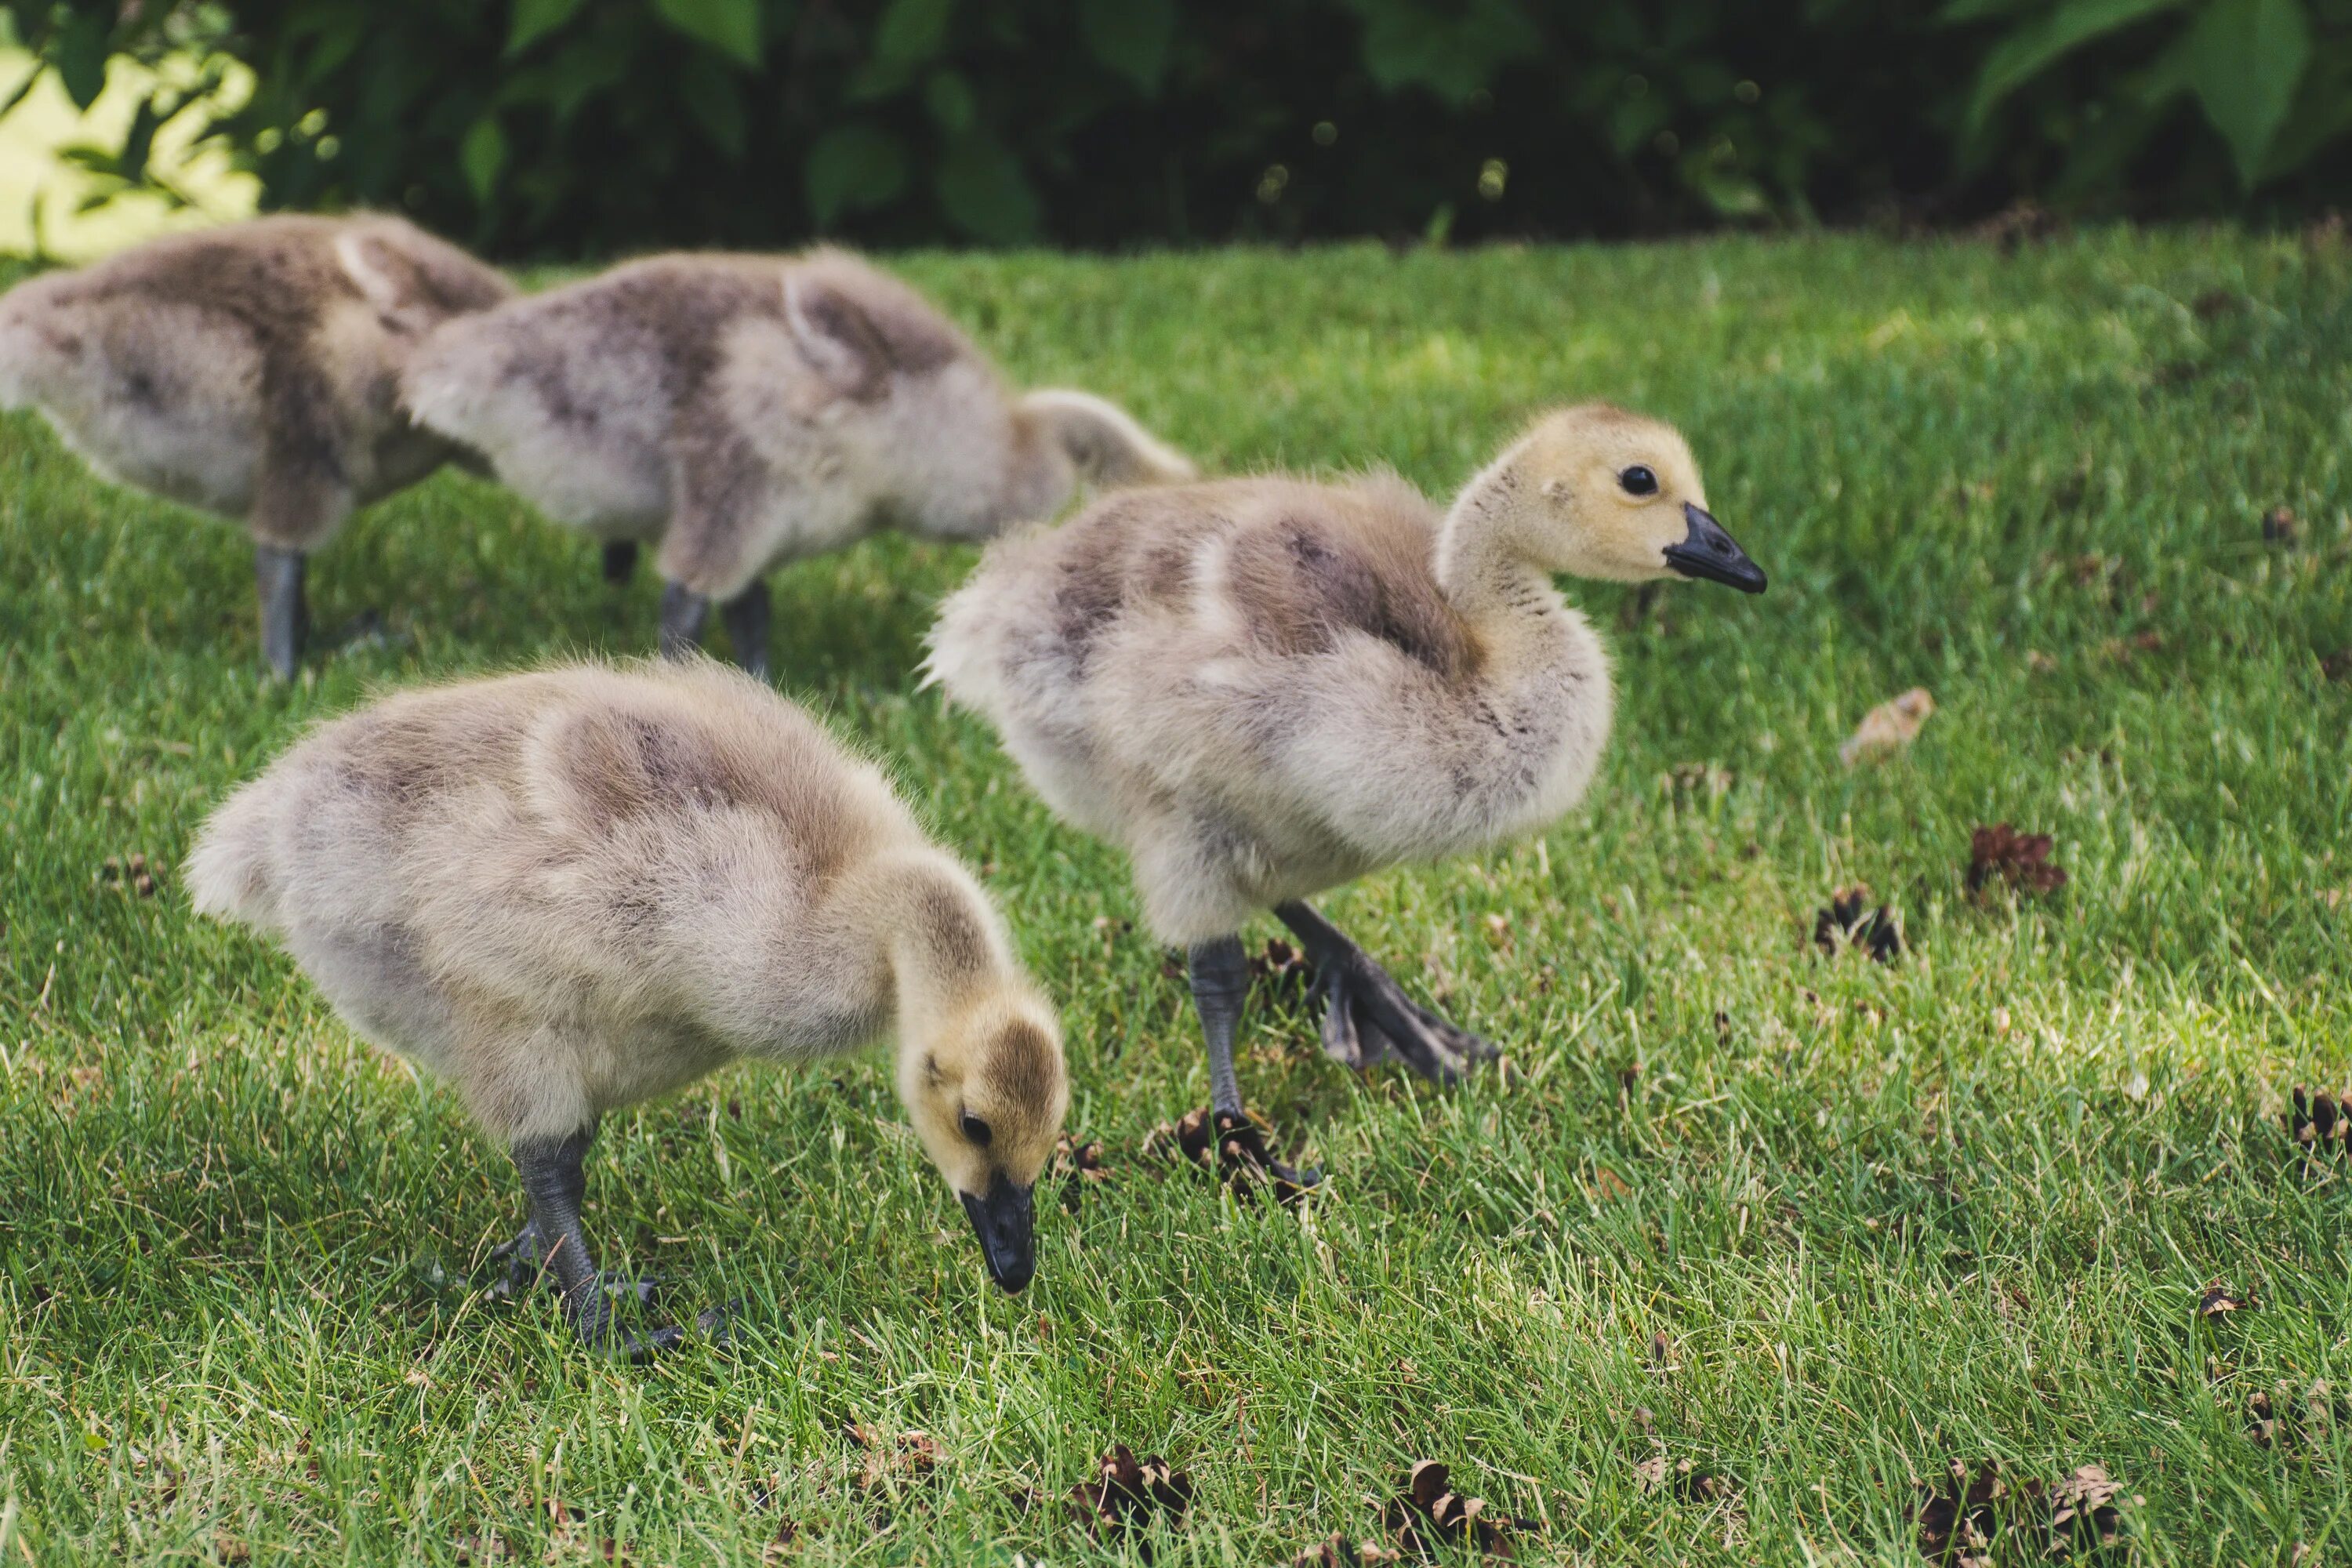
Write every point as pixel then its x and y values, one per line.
pixel 1889 727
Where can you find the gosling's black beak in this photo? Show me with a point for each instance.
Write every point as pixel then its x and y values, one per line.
pixel 1006 1224
pixel 1709 551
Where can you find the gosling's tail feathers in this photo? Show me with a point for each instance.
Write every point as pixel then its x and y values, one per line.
pixel 1104 441
pixel 229 874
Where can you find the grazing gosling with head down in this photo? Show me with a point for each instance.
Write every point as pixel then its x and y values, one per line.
pixel 1264 688
pixel 569 891
pixel 250 370
pixel 746 411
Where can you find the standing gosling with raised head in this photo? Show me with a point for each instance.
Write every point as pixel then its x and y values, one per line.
pixel 570 891
pixel 746 411
pixel 1264 688
pixel 251 370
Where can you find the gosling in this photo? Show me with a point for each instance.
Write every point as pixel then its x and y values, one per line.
pixel 571 890
pixel 1264 688
pixel 251 371
pixel 746 411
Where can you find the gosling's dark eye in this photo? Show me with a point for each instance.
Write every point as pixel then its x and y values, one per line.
pixel 1639 482
pixel 976 1129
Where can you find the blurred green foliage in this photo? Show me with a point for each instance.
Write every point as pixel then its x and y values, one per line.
pixel 576 126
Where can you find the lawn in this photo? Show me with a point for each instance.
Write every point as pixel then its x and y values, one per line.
pixel 1817 1225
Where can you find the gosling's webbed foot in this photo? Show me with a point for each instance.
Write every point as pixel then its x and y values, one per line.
pixel 1368 1019
pixel 526 1267
pixel 714 1325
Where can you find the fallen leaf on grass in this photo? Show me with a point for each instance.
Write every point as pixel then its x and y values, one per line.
pixel 1337 1551
pixel 2219 1302
pixel 2319 1124
pixel 1849 921
pixel 909 1457
pixel 131 873
pixel 1128 1494
pixel 2285 1418
pixel 1428 1519
pixel 1958 1523
pixel 1889 727
pixel 1080 1166
pixel 2020 859
pixel 1282 972
pixel 1689 1481
pixel 1236 1154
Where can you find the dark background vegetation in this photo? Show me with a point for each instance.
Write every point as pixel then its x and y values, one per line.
pixel 574 128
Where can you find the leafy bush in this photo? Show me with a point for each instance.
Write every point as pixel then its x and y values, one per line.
pixel 582 126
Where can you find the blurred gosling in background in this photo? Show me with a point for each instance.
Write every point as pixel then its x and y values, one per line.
pixel 746 411
pixel 251 370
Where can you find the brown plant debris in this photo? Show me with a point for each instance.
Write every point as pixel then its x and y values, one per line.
pixel 1126 1494
pixel 132 872
pixel 1080 1166
pixel 1889 727
pixel 2286 1417
pixel 1689 1481
pixel 1428 1519
pixel 1849 921
pixel 2219 1300
pixel 1337 1551
pixel 909 1457
pixel 1959 1522
pixel 2319 1124
pixel 1282 972
pixel 1236 1154
pixel 2020 859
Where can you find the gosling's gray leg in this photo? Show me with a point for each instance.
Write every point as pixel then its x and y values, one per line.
pixel 684 612
pixel 1367 1016
pixel 284 618
pixel 620 560
pixel 1220 976
pixel 552 1176
pixel 746 616
pixel 1220 985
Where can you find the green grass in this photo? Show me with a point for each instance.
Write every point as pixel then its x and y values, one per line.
pixel 1963 1205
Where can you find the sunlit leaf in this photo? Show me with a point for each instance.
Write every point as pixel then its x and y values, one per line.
pixel 1130 37
pixel 730 25
pixel 983 191
pixel 853 167
pixel 1452 50
pixel 482 157
pixel 2038 45
pixel 948 97
pixel 714 101
pixel 912 31
pixel 81 54
pixel 2249 56
pixel 534 19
